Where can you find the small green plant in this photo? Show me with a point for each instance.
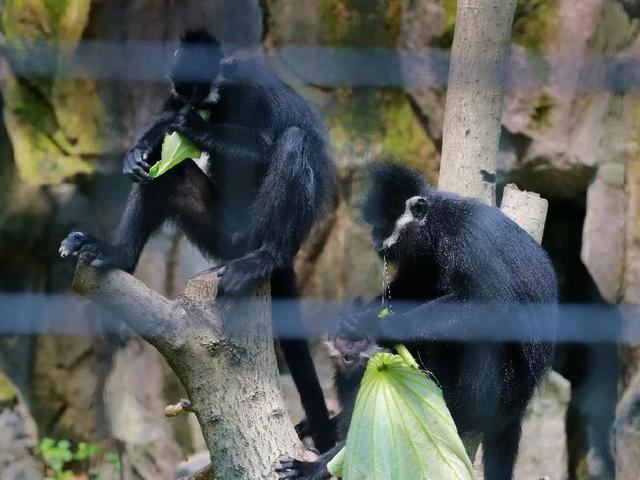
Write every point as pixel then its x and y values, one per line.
pixel 58 453
pixel 114 459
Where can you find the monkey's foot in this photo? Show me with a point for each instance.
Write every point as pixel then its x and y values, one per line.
pixel 291 468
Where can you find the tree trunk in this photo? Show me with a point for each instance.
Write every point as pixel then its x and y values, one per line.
pixel 475 95
pixel 224 358
pixel 473 114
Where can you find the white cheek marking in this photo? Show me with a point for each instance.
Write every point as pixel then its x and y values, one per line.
pixel 405 219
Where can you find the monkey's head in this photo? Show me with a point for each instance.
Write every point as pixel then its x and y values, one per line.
pixel 350 356
pixel 195 66
pixel 348 351
pixel 396 207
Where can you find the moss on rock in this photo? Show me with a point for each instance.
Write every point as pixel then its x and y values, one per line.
pixel 56 125
pixel 365 124
pixel 535 23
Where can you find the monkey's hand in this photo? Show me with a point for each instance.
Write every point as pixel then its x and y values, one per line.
pixel 303 427
pixel 360 324
pixel 99 254
pixel 190 124
pixel 135 164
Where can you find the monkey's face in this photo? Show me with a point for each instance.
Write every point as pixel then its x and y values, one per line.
pixel 408 229
pixel 350 356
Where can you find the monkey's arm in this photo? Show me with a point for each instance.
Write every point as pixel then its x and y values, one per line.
pixel 449 318
pixel 223 141
pixel 139 159
pixel 438 318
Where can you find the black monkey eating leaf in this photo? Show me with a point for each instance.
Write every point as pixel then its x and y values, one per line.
pixel 463 268
pixel 268 179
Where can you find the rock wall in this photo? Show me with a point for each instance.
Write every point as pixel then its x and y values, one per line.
pixel 573 141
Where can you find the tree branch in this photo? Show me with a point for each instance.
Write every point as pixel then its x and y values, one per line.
pixel 147 312
pixel 224 359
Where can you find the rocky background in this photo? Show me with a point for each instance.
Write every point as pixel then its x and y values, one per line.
pixel 376 72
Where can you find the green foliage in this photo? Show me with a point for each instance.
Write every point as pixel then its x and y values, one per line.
pixel 58 454
pixel 114 459
pixel 401 427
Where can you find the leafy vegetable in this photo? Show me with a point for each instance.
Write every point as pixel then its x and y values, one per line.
pixel 401 428
pixel 176 148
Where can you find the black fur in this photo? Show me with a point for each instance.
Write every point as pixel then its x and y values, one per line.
pixel 268 179
pixel 458 252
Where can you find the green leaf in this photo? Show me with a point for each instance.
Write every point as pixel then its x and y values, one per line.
pixel 336 465
pixel 401 428
pixel 176 148
pixel 85 451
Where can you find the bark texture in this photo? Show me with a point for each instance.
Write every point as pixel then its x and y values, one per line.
pixel 223 356
pixel 475 97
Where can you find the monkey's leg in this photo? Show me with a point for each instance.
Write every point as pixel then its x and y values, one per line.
pixel 597 396
pixel 288 201
pixel 183 194
pixel 500 452
pixel 195 205
pixel 289 329
pixel 145 211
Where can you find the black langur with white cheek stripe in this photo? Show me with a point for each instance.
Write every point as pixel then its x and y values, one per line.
pixel 463 268
pixel 269 177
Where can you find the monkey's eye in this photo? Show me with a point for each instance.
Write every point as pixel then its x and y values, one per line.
pixel 418 206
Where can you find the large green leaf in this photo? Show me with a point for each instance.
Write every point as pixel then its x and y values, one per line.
pixel 175 149
pixel 401 428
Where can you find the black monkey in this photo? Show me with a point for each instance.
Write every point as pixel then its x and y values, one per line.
pixel 268 179
pixel 455 255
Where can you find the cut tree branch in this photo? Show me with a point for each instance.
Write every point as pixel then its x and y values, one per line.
pixel 225 360
pixel 527 209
